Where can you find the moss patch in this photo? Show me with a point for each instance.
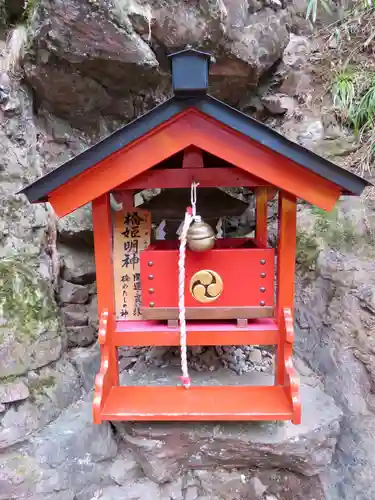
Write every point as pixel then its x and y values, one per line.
pixel 308 250
pixel 39 386
pixel 9 379
pixel 330 229
pixel 26 302
pixel 29 10
pixel 337 232
pixel 19 468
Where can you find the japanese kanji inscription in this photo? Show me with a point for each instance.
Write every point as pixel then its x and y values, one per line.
pixel 131 235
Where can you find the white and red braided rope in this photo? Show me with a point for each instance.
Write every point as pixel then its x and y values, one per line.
pixel 181 297
pixel 190 216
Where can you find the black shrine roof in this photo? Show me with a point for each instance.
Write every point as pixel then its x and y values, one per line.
pixel 195 96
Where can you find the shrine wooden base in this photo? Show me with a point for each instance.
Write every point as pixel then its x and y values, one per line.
pixel 278 402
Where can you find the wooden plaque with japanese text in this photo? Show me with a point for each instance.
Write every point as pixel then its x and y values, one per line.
pixel 131 235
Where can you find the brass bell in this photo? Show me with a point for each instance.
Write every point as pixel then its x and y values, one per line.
pixel 200 236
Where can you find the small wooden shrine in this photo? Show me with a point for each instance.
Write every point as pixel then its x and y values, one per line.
pixel 199 288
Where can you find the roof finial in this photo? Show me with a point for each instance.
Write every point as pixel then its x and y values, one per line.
pixel 190 72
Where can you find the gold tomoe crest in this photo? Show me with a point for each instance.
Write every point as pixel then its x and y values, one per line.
pixel 206 286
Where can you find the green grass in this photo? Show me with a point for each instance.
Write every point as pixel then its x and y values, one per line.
pixel 346 48
pixel 364 116
pixel 312 8
pixel 344 91
pixel 353 95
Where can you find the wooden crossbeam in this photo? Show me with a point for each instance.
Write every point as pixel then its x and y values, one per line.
pixel 141 333
pixel 183 177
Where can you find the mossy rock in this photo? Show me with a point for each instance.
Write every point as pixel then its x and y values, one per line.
pixel 334 229
pixel 336 148
pixel 40 386
pixel 77 225
pixel 321 230
pixel 27 305
pixel 18 470
pixel 30 326
pixel 13 358
pixel 308 250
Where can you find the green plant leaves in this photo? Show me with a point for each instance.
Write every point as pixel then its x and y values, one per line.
pixel 312 8
pixel 344 91
pixel 364 115
pixel 353 95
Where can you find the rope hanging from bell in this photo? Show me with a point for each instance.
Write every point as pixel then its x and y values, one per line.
pixel 198 236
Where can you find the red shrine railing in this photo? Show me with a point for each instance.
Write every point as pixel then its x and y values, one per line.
pixel 108 374
pixel 278 402
pixel 286 375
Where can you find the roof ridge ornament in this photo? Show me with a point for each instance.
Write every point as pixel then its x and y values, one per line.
pixel 190 69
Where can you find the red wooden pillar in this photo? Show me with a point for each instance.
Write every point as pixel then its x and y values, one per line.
pixel 286 265
pixel 286 252
pixel 102 222
pixel 261 213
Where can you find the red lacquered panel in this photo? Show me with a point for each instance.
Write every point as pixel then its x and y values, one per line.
pixel 247 275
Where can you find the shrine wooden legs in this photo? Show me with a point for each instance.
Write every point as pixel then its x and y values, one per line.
pixel 286 252
pixel 108 374
pixel 286 255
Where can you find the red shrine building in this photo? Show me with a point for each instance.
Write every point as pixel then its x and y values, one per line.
pixel 198 288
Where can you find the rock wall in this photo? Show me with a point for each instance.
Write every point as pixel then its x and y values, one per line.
pixel 89 66
pixel 336 320
pixel 83 52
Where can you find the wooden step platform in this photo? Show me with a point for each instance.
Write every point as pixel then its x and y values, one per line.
pixel 157 333
pixel 197 403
